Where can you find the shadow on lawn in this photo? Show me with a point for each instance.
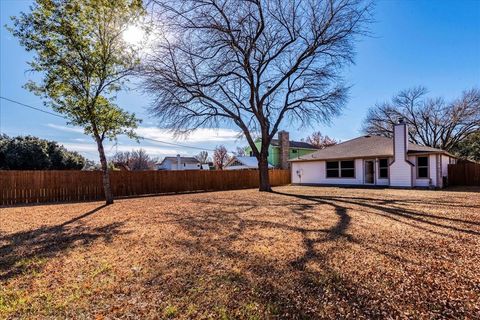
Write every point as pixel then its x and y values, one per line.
pixel 24 251
pixel 285 289
pixel 309 285
pixel 387 209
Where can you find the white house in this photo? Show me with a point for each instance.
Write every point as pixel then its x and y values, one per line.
pixel 241 163
pixel 375 160
pixel 179 163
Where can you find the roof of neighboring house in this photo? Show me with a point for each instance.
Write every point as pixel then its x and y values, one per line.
pixel 363 147
pixel 182 160
pixel 250 162
pixel 295 144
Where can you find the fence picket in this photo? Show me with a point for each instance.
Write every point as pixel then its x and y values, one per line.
pixel 20 187
pixel 464 174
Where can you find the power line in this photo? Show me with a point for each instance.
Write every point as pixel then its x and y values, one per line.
pixel 176 144
pixel 34 108
pixel 63 117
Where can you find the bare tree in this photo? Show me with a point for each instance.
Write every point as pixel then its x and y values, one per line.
pixel 432 121
pixel 202 156
pixel 240 152
pixel 320 141
pixel 136 160
pixel 220 157
pixel 252 64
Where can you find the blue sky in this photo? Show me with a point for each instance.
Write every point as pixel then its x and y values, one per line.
pixel 435 43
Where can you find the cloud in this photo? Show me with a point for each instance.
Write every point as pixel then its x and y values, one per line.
pixel 205 135
pixel 65 128
pixel 110 149
pixel 199 135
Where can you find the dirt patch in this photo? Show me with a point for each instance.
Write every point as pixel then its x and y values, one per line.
pixel 301 252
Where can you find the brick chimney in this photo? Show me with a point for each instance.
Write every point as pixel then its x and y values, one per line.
pixel 284 143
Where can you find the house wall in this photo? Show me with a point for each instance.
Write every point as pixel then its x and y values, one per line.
pixel 432 172
pixel 381 181
pixel 166 165
pixel 314 172
pixel 172 165
pixel 274 153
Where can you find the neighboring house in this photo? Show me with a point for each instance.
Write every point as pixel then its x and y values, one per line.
pixel 282 149
pixel 374 160
pixel 179 163
pixel 239 163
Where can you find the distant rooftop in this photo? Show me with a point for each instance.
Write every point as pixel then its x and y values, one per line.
pixel 182 159
pixel 295 144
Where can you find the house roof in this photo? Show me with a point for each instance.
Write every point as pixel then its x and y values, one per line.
pixel 295 144
pixel 363 147
pixel 182 160
pixel 250 162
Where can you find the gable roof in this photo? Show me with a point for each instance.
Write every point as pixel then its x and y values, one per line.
pixel 295 144
pixel 363 147
pixel 182 160
pixel 250 162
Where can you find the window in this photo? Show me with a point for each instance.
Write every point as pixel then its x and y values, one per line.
pixel 347 169
pixel 341 169
pixel 332 169
pixel 422 167
pixel 383 168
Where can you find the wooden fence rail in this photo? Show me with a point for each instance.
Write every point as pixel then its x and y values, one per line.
pixel 464 174
pixel 21 187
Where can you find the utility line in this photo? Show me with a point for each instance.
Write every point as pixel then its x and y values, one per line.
pixel 34 108
pixel 63 117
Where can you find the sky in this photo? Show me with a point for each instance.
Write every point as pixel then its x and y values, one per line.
pixel 434 43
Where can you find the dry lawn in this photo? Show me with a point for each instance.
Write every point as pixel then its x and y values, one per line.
pixel 301 252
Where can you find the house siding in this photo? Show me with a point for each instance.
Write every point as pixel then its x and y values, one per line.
pixel 314 172
pixel 172 165
pixel 274 153
pixel 432 172
pixel 381 181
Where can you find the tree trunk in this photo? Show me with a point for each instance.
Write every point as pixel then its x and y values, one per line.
pixel 263 171
pixel 105 173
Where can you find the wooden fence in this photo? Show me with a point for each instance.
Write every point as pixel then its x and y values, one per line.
pixel 20 187
pixel 464 174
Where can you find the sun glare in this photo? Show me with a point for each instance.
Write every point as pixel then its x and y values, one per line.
pixel 135 35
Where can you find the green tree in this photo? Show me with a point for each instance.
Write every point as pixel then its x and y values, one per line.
pixel 469 148
pixel 32 153
pixel 84 60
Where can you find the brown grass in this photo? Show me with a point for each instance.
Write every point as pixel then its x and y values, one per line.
pixel 301 252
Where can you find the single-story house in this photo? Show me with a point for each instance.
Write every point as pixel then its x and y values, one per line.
pixel 375 161
pixel 179 163
pixel 241 163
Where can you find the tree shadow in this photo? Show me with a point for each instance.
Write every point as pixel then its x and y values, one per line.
pixel 23 250
pixel 305 285
pixel 212 241
pixel 387 209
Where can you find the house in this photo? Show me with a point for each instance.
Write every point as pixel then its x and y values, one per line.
pixel 282 149
pixel 179 163
pixel 374 160
pixel 240 163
